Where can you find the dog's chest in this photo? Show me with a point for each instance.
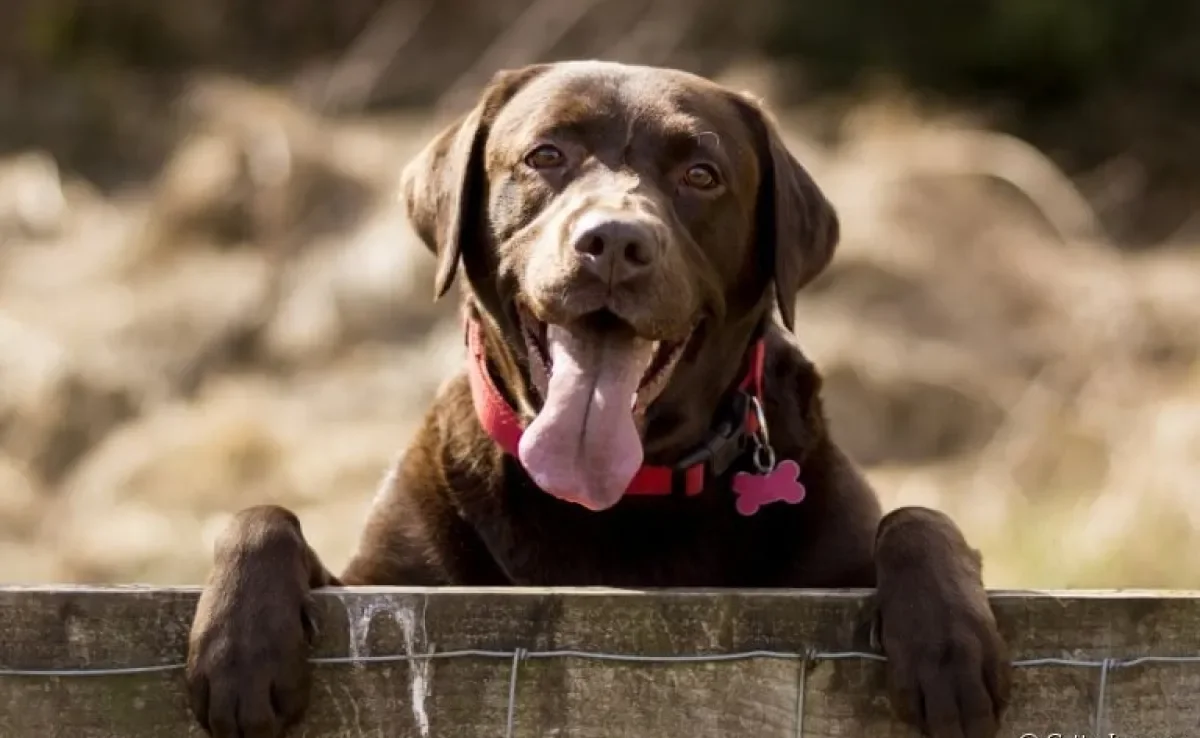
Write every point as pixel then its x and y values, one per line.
pixel 640 543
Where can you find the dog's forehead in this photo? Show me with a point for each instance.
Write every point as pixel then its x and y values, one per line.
pixel 623 100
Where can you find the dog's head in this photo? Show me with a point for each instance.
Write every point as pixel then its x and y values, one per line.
pixel 622 230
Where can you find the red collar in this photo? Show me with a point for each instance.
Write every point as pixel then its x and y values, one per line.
pixel 504 425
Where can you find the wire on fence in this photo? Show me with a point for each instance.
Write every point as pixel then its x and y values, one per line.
pixel 804 659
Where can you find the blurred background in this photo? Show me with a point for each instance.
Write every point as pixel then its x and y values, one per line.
pixel 210 299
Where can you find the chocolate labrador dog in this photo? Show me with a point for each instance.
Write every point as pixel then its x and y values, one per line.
pixel 633 412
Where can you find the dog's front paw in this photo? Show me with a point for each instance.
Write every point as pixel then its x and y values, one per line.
pixel 248 673
pixel 948 669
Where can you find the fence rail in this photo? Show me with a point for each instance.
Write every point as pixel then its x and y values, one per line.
pixel 92 662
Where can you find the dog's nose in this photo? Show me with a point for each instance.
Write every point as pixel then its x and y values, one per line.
pixel 615 249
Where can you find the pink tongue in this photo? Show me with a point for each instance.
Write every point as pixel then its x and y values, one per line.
pixel 583 446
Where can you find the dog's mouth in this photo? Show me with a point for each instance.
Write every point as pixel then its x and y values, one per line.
pixel 596 376
pixel 603 326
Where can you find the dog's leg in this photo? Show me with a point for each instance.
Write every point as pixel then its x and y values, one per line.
pixel 948 668
pixel 247 670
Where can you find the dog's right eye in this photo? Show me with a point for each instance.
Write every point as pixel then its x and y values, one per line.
pixel 545 157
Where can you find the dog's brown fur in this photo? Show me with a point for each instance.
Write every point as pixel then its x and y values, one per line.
pixel 458 511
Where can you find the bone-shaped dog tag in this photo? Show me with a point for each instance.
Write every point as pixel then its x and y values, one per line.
pixel 781 484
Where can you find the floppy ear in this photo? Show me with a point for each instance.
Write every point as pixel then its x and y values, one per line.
pixel 444 186
pixel 796 226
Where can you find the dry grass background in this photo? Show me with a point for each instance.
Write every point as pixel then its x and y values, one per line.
pixel 257 325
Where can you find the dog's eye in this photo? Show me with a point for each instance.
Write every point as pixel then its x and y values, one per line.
pixel 701 176
pixel 545 157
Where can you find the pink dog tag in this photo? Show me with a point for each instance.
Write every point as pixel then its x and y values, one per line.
pixel 781 484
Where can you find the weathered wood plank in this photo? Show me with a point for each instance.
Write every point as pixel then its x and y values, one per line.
pixel 577 696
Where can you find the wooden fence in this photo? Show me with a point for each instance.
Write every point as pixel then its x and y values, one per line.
pixel 92 663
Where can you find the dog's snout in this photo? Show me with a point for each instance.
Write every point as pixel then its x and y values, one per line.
pixel 616 249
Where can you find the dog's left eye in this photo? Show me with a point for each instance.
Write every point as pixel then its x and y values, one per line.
pixel 545 157
pixel 701 177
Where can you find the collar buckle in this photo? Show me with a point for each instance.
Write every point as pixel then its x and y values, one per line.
pixel 727 442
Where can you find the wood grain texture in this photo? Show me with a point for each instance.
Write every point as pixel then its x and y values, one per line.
pixel 574 697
